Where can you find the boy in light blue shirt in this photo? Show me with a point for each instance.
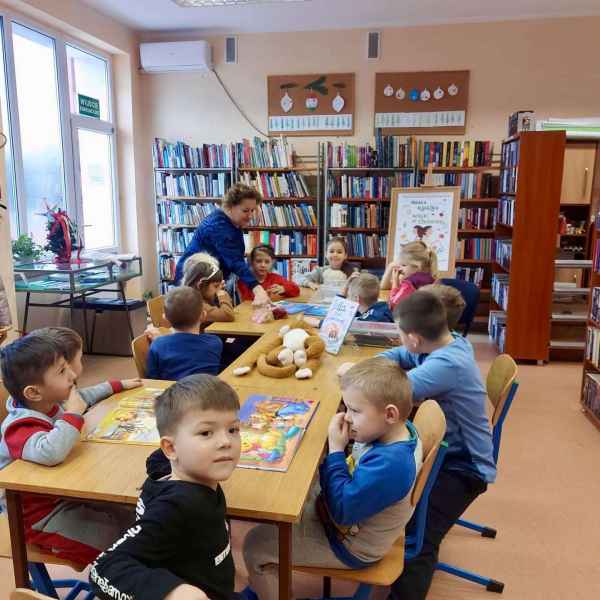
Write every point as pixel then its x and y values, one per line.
pixel 441 365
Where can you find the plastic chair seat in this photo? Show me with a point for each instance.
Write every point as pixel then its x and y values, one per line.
pixel 111 304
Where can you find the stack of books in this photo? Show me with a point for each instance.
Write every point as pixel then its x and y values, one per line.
pixel 510 167
pixel 592 346
pixel 282 185
pixel 473 274
pixel 192 184
pixel 390 152
pixel 459 154
pixel 506 211
pixel 476 218
pixel 367 245
pixel 499 289
pixel 287 215
pixel 295 269
pixel 362 215
pixel 504 253
pixel 497 328
pixel 475 249
pixel 174 241
pixel 275 153
pixel 182 156
pixel 591 393
pixel 182 213
pixel 292 244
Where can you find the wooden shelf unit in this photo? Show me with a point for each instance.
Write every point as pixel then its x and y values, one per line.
pixel 533 236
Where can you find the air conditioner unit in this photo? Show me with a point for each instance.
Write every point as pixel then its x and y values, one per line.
pixel 162 57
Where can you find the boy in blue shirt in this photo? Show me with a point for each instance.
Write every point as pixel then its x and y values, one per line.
pixel 185 352
pixel 363 503
pixel 364 288
pixel 441 365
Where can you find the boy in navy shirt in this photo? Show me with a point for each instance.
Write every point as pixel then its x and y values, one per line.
pixel 364 289
pixel 186 351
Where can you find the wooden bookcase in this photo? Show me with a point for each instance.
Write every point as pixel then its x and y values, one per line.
pixel 531 175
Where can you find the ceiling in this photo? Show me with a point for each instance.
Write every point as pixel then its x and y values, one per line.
pixel 165 15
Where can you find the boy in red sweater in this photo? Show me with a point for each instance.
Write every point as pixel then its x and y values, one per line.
pixel 262 258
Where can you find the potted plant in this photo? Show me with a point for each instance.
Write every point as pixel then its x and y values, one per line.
pixel 25 250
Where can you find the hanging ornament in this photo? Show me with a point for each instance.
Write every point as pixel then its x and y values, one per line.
pixel 338 103
pixel 388 90
pixel 414 95
pixel 425 95
pixel 453 89
pixel 312 101
pixel 400 94
pixel 438 93
pixel 287 103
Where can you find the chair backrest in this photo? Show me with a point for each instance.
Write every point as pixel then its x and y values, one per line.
pixel 156 310
pixel 3 398
pixel 501 388
pixel 139 348
pixel 21 594
pixel 431 426
pixel 470 292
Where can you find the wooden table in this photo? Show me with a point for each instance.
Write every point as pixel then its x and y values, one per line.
pixel 115 472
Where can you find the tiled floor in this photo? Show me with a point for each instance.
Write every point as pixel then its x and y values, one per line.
pixel 544 504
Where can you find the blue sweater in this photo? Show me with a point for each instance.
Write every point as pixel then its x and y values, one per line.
pixel 178 355
pixel 218 236
pixel 380 312
pixel 451 376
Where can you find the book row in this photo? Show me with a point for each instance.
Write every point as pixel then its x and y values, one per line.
pixel 167 266
pixel 174 240
pixel 283 185
pixel 475 248
pixel 592 346
pixel 499 290
pixel 595 305
pixel 390 151
pixel 355 186
pixel 298 244
pixel 591 393
pixel 497 328
pixel 363 215
pixel 503 253
pixel 295 269
pixel 272 153
pixel 468 153
pixel 597 256
pixel 473 274
pixel 192 184
pixel 285 215
pixel 367 245
pixel 506 211
pixel 182 156
pixel 510 168
pixel 476 218
pixel 183 213
pixel 472 185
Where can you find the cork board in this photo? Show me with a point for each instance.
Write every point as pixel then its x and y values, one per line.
pixel 313 104
pixel 398 114
pixel 427 214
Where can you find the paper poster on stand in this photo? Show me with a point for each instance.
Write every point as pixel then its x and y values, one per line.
pixel 429 215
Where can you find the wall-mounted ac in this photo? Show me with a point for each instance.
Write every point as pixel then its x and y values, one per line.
pixel 162 57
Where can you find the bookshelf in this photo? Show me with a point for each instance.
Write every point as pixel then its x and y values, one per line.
pixel 525 244
pixel 358 180
pixel 189 183
pixel 288 219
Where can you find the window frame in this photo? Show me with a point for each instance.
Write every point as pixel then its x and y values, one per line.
pixel 70 123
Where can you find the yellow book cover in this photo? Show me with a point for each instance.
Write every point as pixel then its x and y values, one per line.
pixel 472 154
pixel 466 152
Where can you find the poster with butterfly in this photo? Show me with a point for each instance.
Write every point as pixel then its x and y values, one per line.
pixel 429 215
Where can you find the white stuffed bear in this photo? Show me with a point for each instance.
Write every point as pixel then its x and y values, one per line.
pixel 294 352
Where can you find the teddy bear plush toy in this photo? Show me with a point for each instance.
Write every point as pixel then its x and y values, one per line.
pixel 295 350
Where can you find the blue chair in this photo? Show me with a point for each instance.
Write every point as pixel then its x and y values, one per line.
pixel 431 425
pixel 470 292
pixel 40 579
pixel 501 388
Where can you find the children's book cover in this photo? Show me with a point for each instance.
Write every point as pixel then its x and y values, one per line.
pixel 312 310
pixel 132 421
pixel 336 324
pixel 271 429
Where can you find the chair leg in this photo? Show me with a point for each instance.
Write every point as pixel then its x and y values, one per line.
pixel 491 585
pixel 326 587
pixel 41 580
pixel 486 532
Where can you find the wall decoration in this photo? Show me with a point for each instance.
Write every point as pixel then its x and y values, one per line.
pixel 400 94
pixel 388 90
pixel 305 105
pixel 429 215
pixel 414 114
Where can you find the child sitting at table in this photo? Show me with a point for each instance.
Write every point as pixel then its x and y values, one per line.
pixel 364 289
pixel 43 425
pixel 336 271
pixel 364 501
pixel 262 258
pixel 179 547
pixel 187 351
pixel 451 298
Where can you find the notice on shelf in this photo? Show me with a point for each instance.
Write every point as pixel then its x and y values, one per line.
pixel 286 124
pixel 440 118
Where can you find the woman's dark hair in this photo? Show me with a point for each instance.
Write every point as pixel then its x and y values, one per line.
pixel 238 193
pixel 346 268
pixel 265 249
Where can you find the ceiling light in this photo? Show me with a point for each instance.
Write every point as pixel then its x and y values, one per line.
pixel 204 3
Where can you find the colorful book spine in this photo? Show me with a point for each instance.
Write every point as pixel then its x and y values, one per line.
pixel 274 215
pixel 592 346
pixel 182 156
pixel 497 328
pixel 475 249
pixel 370 245
pixel 286 244
pixel 591 393
pixel 280 185
pixel 595 305
pixel 499 290
pixel 275 153
pixel 458 154
pixel 474 275
pixel 509 168
pixel 506 210
pixel 192 185
pixel 476 218
pixel 183 213
pixel 373 216
pixel 390 151
pixel 503 253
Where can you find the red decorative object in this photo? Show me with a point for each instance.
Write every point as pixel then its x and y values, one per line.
pixel 62 236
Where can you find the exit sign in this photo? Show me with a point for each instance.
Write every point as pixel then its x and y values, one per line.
pixel 89 107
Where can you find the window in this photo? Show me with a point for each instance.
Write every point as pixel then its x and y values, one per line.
pixel 62 146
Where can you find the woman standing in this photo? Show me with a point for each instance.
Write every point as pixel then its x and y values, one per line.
pixel 220 234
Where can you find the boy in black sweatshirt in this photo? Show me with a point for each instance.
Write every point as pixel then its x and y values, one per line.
pixel 179 547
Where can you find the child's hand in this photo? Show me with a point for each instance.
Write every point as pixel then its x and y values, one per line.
pixel 343 368
pixel 152 333
pixel 129 384
pixel 260 296
pixel 397 276
pixel 338 433
pixel 74 403
pixel 186 592
pixel 312 285
pixel 276 290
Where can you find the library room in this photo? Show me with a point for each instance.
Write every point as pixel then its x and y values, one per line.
pixel 267 252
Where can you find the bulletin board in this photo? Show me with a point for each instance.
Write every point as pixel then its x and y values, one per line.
pixel 427 214
pixel 311 105
pixel 422 102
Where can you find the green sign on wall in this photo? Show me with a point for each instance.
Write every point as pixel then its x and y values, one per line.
pixel 89 107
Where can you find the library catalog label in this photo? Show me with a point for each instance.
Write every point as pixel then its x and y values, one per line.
pixel 311 123
pixel 441 118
